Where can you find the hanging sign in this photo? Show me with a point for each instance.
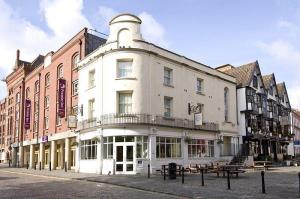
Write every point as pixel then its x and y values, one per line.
pixel 198 119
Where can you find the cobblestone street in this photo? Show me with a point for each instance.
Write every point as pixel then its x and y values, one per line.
pixel 19 182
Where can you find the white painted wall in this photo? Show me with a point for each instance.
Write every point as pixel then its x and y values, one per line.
pixel 146 81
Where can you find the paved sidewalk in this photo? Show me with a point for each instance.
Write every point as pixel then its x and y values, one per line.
pixel 280 183
pixel 70 174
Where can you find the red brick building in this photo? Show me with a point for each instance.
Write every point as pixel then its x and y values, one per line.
pixel 37 113
pixel 3 141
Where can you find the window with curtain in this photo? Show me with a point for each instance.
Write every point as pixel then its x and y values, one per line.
pixel 168 147
pixel 124 68
pixel 108 147
pixel 200 88
pixel 75 60
pixel 60 72
pixel 88 149
pixel 200 148
pixel 168 79
pixel 91 78
pixel 125 102
pixel 91 114
pixel 168 106
pixel 142 147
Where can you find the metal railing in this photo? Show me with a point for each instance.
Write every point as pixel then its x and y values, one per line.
pixel 144 119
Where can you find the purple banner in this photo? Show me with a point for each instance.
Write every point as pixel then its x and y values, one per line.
pixel 27 114
pixel 62 97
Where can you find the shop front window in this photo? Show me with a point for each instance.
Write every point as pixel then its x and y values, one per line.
pixel 168 147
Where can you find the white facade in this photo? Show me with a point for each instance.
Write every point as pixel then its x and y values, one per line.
pixel 129 87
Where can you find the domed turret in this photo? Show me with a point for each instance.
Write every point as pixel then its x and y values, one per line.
pixel 125 28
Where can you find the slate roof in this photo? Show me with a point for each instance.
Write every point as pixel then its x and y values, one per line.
pixel 243 73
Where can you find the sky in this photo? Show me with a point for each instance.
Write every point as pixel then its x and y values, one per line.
pixel 213 32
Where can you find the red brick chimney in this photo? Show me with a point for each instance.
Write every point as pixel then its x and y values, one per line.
pixel 17 59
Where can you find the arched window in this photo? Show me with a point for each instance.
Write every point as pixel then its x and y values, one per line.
pixel 37 87
pixel 226 104
pixel 47 79
pixel 27 92
pixel 75 60
pixel 60 72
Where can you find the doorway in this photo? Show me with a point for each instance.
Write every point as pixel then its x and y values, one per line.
pixel 125 158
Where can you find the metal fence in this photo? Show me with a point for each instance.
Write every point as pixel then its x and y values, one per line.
pixel 145 119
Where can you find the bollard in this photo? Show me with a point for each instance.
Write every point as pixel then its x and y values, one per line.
pixel 164 168
pixel 34 165
pixel 50 166
pixel 66 169
pixel 182 174
pixel 8 163
pixel 228 179
pixel 148 170
pixel 40 166
pixel 263 182
pixel 299 181
pixel 202 177
pixel 27 166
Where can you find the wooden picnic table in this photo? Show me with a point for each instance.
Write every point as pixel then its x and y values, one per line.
pixel 262 164
pixel 232 169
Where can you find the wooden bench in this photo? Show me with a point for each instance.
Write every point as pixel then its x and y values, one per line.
pixel 262 165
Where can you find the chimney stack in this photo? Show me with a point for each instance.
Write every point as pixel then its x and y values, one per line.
pixel 17 59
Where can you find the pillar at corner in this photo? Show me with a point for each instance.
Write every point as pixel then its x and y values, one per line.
pixel 14 156
pixel 53 154
pixel 31 156
pixel 42 155
pixel 67 152
pixel 21 156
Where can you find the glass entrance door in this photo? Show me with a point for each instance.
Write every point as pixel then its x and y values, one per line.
pixel 124 156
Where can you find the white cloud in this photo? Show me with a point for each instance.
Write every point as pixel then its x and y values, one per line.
pixel 105 14
pixel 291 28
pixel 289 57
pixel 294 95
pixel 282 51
pixel 64 19
pixel 152 30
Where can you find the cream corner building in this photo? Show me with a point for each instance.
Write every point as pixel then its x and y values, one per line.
pixel 138 102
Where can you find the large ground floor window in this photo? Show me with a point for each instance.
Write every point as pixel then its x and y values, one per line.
pixel 200 148
pixel 88 149
pixel 141 143
pixel 168 147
